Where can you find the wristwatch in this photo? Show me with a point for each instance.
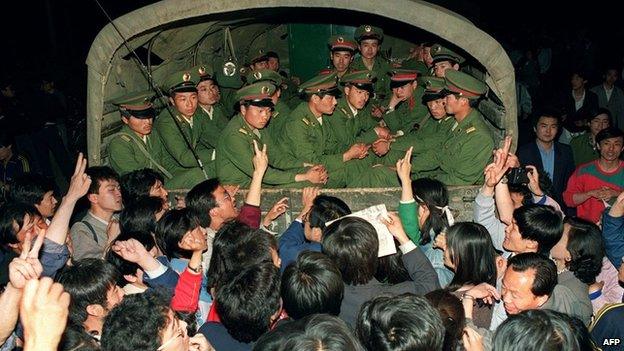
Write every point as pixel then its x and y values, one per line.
pixel 196 270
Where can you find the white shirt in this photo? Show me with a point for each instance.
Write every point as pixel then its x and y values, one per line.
pixel 208 112
pixel 320 120
pixel 578 103
pixel 353 109
pixel 607 92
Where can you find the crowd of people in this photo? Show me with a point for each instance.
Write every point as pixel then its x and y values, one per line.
pixel 113 264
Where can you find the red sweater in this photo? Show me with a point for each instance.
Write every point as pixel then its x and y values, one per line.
pixel 588 177
pixel 186 295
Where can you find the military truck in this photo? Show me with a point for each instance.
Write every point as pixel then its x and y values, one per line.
pixel 138 49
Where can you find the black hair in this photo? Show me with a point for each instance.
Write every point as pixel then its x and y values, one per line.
pixel 403 322
pixel 137 184
pixel 325 209
pixel 472 253
pixel 586 248
pixel 29 188
pixel 545 271
pixel 276 338
pixel 322 332
pixel 246 301
pixel 312 284
pixel 87 283
pixel 77 339
pixel 433 194
pixel 200 199
pixel 99 174
pixel 579 72
pixel 126 267
pixel 272 54
pixel 10 215
pixel 538 330
pixel 236 246
pixel 5 138
pixel 540 223
pixel 524 191
pixel 391 269
pixel 149 310
pixel 452 314
pixel 608 133
pixel 601 111
pixel 140 215
pixel 352 244
pixel 171 229
pixel 549 112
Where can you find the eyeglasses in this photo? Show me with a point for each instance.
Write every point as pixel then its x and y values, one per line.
pixel 226 198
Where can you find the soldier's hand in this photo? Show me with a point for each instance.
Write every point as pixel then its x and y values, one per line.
pixel 377 111
pixel 316 175
pixel 382 132
pixel 363 151
pixel 260 159
pixel 381 147
pixel 404 166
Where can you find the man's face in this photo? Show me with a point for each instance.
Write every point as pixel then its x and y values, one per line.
pixel 560 250
pixel 30 226
pixel 8 92
pixel 158 190
pixel 256 116
pixel 437 108
pixel 611 149
pixel 226 208
pixel 513 241
pixel 260 65
pixel 369 48
pixel 109 196
pixel 426 55
pixel 47 206
pixel 356 97
pixel 174 337
pixel 453 104
pixel 114 296
pixel 577 81
pixel 273 64
pixel 208 93
pixel 516 292
pixel 141 126
pixel 439 68
pixel 185 103
pixel 5 152
pixel 341 60
pixel 546 129
pixel 599 123
pixel 611 76
pixel 326 105
pixel 405 91
pixel 276 96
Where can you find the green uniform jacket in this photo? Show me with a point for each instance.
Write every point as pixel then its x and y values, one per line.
pixel 211 127
pixel 125 154
pixel 279 118
pixel 583 150
pixel 349 129
pixel 381 67
pixel 462 156
pixel 235 153
pixel 431 134
pixel 403 117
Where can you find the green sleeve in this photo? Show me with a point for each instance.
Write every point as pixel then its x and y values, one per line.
pixel 414 140
pixel 393 120
pixel 408 213
pixel 278 158
pixel 426 161
pixel 121 156
pixel 174 144
pixel 302 146
pixel 466 167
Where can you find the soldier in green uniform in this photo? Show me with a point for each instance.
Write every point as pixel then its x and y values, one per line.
pixel 235 150
pixel 341 53
pixel 444 59
pixel 209 114
pixel 289 85
pixel 467 150
pixel 281 111
pixel 369 41
pixel 404 108
pixel 177 157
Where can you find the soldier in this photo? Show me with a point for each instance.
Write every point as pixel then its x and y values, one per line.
pixel 177 157
pixel 443 59
pixel 281 111
pixel 288 89
pixel 342 51
pixel 235 150
pixel 258 60
pixel 369 41
pixel 461 158
pixel 405 107
pixel 210 113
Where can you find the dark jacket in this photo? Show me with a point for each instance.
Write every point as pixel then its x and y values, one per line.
pixel 590 105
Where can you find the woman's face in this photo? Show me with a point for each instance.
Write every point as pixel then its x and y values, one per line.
pixel 423 215
pixel 31 226
pixel 447 259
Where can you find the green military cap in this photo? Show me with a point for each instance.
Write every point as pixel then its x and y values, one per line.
pixel 137 104
pixel 440 53
pixel 265 75
pixel 257 56
pixel 180 82
pixel 201 73
pixel 416 65
pixel 464 85
pixel 341 43
pixel 361 79
pixel 366 31
pixel 321 85
pixel 400 77
pixel 257 94
pixel 434 88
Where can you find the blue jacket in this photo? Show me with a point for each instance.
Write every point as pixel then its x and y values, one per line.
pixel 613 234
pixel 292 242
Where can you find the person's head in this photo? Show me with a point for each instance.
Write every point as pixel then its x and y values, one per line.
pixel 323 103
pixel 277 337
pixel 320 332
pixel 353 245
pixel 6 145
pixel 581 248
pixel 104 192
pixel 426 53
pixel 92 286
pixel 142 183
pixel 356 96
pixel 451 311
pixel 248 301
pixel 256 116
pixel 142 215
pixel 325 208
pixel 611 76
pixel 533 228
pixel 130 272
pixel 470 254
pixel 539 330
pixel 610 142
pixel 174 230
pixel 273 62
pixel 341 59
pixel 440 67
pixel 34 190
pixel 236 246
pixel 546 126
pixel 312 284
pixel 185 102
pixel 208 92
pixel 141 124
pixel 369 48
pixel 599 120
pixel 529 280
pixel 212 204
pixel 77 339
pixel 578 80
pixel 432 197
pixel 437 108
pixel 404 91
pixel 160 329
pixel 403 322
pixel 17 222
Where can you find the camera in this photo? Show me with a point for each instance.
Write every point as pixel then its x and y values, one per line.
pixel 518 175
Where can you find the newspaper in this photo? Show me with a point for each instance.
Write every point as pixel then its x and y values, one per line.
pixel 373 216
